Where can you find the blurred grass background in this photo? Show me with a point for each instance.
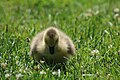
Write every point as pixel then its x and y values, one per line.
pixel 94 27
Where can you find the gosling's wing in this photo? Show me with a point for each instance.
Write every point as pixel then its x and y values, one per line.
pixel 68 42
pixel 70 46
pixel 37 40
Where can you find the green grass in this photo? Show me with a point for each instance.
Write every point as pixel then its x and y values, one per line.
pixel 22 19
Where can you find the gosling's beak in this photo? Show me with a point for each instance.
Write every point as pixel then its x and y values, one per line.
pixel 51 49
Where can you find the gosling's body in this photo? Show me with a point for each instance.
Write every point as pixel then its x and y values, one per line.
pixel 52 45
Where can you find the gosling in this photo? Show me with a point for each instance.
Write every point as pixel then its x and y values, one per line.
pixel 52 46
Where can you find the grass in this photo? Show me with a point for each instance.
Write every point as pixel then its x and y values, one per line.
pixel 92 25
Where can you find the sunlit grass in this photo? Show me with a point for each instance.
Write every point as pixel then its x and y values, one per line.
pixel 94 27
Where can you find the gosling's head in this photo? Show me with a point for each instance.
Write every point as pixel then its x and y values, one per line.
pixel 51 37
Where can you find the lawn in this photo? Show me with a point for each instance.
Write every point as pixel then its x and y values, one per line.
pixel 93 25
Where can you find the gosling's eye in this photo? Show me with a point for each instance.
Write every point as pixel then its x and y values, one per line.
pixel 46 41
pixel 56 40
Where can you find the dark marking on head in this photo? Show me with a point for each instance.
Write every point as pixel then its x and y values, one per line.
pixel 51 33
